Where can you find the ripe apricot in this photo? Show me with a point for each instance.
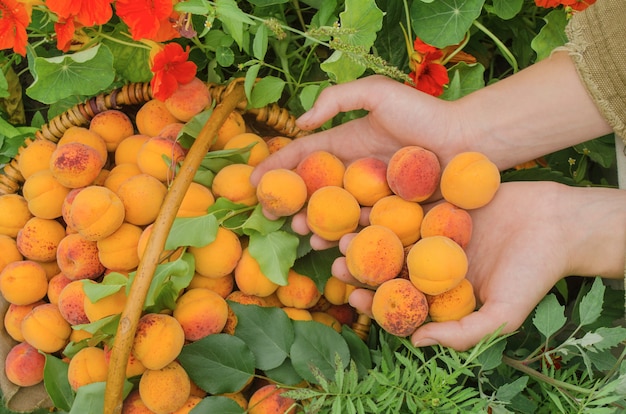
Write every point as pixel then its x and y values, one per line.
pixel 165 390
pixel 276 143
pixel 50 267
pixel 332 212
pixel 159 157
pixel 45 328
pixel 14 213
pixel 23 282
pixel 152 117
pixel 232 126
pixel 96 212
pixel 24 365
pixel 142 196
pixel 35 157
pixel 269 399
pixel 223 286
pixel 399 215
pixel 413 173
pixel 134 367
pixel 55 285
pixel 44 194
pixel 366 179
pixel 158 340
pixel 259 150
pixel 299 292
pixel 220 257
pixel 436 264
pixel 171 131
pixel 133 405
pixel 375 255
pixel 191 402
pixel 75 165
pixel 13 318
pixel 188 100
pixel 10 253
pixel 196 202
pixel 119 174
pixel 86 367
pixel 399 307
pixel 71 303
pixel 118 251
pixel 39 238
pixel 87 137
pixel 446 219
pixel 336 291
pixel 201 312
pixel 78 257
pixel 233 182
pixel 113 126
pixel 250 279
pixel 470 180
pixel 281 192
pixel 127 150
pixel 326 319
pixel 109 305
pixel 453 304
pixel 297 314
pixel 320 169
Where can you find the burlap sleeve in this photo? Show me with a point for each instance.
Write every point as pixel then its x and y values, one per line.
pixel 596 43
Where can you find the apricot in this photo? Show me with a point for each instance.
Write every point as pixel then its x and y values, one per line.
pixel 23 282
pixel 320 169
pixel 107 306
pixel 118 251
pixel 399 307
pixel 75 165
pixel 188 100
pixel 326 319
pixel 71 303
pixel 344 313
pixel 78 257
pixel 44 194
pixel 14 213
pixel 470 180
pixel 436 264
pixel 78 335
pixel 220 257
pixel 336 291
pixel 238 296
pixel 133 405
pixel 45 328
pixel 400 216
pixel 119 174
pixel 250 279
pixel 39 238
pixel 299 292
pixel 276 143
pixel 171 131
pixel 269 399
pixel 233 182
pixel 201 312
pixel 165 390
pixel 50 267
pixel 281 192
pixel 332 212
pixel 446 219
pixel 366 179
pixel 158 340
pixel 96 212
pixel 232 126
pixel 87 137
pixel 259 150
pixel 375 255
pixel 113 126
pixel 152 117
pixel 24 365
pixel 86 367
pixel 142 196
pixel 55 285
pixel 297 314
pixel 142 244
pixel 35 157
pixel 13 318
pixel 127 150
pixel 196 201
pixel 191 402
pixel 10 253
pixel 159 157
pixel 453 304
pixel 413 173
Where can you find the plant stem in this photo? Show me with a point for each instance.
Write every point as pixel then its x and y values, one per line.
pixel 518 365
pixel 505 51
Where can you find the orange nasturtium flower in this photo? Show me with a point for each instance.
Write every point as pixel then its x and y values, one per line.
pixel 14 19
pixel 74 14
pixel 149 19
pixel 428 74
pixel 171 68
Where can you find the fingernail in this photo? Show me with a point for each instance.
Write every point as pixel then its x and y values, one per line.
pixel 425 342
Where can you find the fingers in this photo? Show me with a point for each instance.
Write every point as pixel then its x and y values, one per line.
pixel 361 299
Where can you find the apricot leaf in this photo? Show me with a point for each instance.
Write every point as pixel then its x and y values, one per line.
pixel 275 252
pixel 192 231
pixel 267 331
pixel 258 223
pixel 90 397
pixel 316 264
pixel 284 373
pixel 218 363
pixel 110 284
pixel 56 383
pixel 444 23
pixel 359 352
pixel 218 404
pixel 168 281
pixel 549 316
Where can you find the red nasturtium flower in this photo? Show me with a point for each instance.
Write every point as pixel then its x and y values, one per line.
pixel 149 19
pixel 428 74
pixel 171 68
pixel 74 14
pixel 14 19
pixel 577 5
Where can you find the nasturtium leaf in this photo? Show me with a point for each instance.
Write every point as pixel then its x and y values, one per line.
pixel 110 284
pixel 549 316
pixel 168 281
pixel 225 56
pixel 275 252
pixel 359 352
pixel 264 3
pixel 317 345
pixel 464 79
pixel 260 42
pixel 217 404
pixel 90 397
pixel 507 9
pixel 193 6
pixel 551 35
pixel 317 264
pixel 267 331
pixel 267 90
pixel 284 373
pixel 218 363
pixel 192 231
pixel 82 73
pixel 131 63
pixel 56 383
pixel 361 20
pixel 590 306
pixel 444 22
pixel 342 68
pixel 258 223
pixel 325 15
pixel 232 18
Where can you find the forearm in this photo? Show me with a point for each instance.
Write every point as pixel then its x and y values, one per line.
pixel 539 110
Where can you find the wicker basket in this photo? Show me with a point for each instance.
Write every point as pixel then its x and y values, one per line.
pixel 269 120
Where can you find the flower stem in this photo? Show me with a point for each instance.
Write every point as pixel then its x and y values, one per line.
pixel 505 51
pixel 518 365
